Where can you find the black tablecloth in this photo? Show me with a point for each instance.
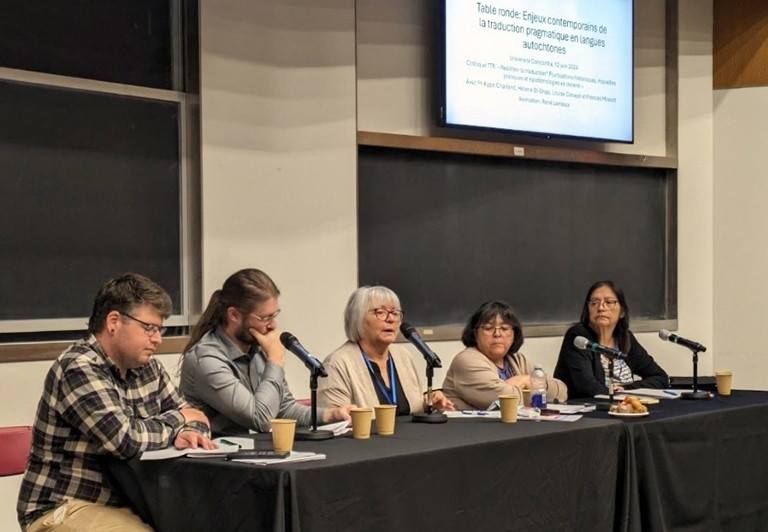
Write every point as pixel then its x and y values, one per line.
pixel 465 475
pixel 696 465
pixel 687 466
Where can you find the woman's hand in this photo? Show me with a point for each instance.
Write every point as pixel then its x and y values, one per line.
pixel 521 381
pixel 439 401
pixel 338 413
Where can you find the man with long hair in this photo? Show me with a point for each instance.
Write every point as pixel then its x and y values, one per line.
pixel 233 366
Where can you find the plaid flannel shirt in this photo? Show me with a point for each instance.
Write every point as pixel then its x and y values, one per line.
pixel 87 412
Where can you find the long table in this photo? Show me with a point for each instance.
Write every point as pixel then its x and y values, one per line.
pixel 467 474
pixel 688 466
pixel 697 465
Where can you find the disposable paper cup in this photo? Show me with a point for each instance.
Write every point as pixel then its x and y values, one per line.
pixel 361 423
pixel 724 379
pixel 526 397
pixel 283 431
pixel 509 408
pixel 385 419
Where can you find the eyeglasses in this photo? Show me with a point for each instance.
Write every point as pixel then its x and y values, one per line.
pixel 490 330
pixel 150 329
pixel 383 314
pixel 610 304
pixel 265 319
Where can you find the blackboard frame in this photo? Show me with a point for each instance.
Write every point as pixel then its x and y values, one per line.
pixel 382 188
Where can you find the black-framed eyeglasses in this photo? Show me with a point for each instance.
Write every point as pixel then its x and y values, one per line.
pixel 383 314
pixel 150 329
pixel 265 319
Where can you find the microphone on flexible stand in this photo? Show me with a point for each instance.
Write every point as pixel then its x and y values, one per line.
pixel 433 361
pixel 316 369
pixel 696 348
pixel 612 354
pixel 679 340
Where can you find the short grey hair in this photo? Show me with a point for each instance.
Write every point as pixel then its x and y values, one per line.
pixel 360 302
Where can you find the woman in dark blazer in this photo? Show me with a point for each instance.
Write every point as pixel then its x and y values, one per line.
pixel 605 320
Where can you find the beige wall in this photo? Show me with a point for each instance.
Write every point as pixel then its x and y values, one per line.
pixel 741 219
pixel 280 111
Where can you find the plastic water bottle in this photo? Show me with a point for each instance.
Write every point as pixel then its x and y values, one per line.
pixel 538 388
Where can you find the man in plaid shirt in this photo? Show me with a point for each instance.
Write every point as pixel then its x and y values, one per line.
pixel 105 396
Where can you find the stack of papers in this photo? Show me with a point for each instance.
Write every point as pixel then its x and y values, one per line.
pixel 523 413
pixel 342 427
pixel 173 452
pixel 295 456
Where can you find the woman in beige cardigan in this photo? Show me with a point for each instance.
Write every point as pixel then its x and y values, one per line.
pixel 491 364
pixel 370 369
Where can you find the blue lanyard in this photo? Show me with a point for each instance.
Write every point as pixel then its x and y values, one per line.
pixel 391 394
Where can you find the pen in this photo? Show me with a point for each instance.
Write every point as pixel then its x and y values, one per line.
pixel 670 392
pixel 227 442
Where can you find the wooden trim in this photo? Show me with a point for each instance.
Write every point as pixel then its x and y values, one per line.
pixel 32 352
pixel 521 151
pixel 672 75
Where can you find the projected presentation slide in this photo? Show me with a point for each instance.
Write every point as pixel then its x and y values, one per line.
pixel 553 67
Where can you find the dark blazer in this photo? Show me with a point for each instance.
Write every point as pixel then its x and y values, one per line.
pixel 583 372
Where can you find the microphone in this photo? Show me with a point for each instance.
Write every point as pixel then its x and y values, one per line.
pixel 583 343
pixel 410 333
pixel 291 343
pixel 675 339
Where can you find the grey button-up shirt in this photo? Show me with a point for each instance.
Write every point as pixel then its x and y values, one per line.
pixel 238 391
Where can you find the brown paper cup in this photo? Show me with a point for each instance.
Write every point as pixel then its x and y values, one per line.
pixel 509 408
pixel 283 431
pixel 361 423
pixel 526 397
pixel 724 380
pixel 385 419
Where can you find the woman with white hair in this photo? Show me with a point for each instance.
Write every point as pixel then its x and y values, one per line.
pixel 370 369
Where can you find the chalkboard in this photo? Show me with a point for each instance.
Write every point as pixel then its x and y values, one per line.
pixel 449 231
pixel 89 189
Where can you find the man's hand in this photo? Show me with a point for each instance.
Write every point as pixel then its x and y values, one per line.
pixel 339 413
pixel 271 345
pixel 189 439
pixel 193 414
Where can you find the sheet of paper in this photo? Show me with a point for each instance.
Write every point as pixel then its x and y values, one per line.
pixel 571 409
pixel 246 444
pixel 644 392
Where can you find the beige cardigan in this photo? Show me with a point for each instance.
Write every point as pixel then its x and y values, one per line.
pixel 349 380
pixel 473 382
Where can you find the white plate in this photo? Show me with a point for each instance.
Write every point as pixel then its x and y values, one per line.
pixel 628 414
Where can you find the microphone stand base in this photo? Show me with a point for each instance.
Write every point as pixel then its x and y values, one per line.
pixel 433 417
pixel 695 395
pixel 313 435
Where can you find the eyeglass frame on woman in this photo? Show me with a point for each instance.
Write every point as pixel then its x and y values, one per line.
pixel 610 304
pixel 150 329
pixel 397 314
pixel 490 330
